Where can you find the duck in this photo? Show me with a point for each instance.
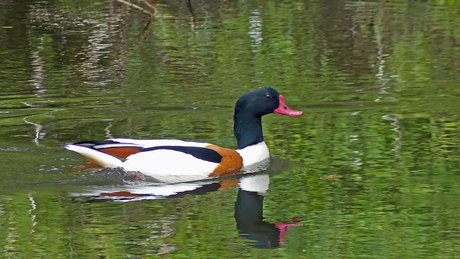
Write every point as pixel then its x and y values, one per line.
pixel 170 160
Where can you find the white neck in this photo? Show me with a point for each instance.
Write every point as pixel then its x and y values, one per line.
pixel 254 153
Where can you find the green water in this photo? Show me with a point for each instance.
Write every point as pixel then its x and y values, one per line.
pixel 374 161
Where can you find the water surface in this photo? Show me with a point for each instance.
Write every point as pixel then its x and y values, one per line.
pixel 370 170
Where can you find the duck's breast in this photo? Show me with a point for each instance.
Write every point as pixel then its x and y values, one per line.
pixel 254 154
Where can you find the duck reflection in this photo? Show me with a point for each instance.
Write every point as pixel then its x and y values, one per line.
pixel 249 214
pixel 248 206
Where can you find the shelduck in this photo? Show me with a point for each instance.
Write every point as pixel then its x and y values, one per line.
pixel 167 160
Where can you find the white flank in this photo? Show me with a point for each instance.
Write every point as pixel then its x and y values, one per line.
pixel 159 142
pixel 257 183
pixel 254 154
pixel 103 159
pixel 170 166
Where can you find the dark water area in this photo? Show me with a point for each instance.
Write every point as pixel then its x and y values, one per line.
pixel 372 168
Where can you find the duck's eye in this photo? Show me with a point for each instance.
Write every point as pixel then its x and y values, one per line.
pixel 268 96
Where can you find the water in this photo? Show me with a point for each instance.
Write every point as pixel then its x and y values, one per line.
pixel 370 170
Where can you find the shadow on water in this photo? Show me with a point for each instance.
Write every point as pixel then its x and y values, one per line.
pixel 118 186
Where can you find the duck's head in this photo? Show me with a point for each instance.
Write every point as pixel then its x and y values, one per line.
pixel 249 110
pixel 264 101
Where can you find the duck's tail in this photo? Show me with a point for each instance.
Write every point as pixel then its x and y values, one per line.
pixel 105 153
